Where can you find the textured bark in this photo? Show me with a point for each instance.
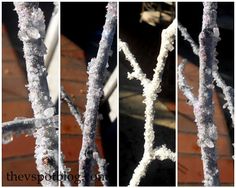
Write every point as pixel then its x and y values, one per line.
pixel 150 90
pixel 32 33
pixel 96 70
pixel 26 125
pixel 102 165
pixel 205 110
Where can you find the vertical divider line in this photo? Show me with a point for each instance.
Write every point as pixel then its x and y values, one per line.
pixel 118 94
pixel 234 92
pixel 176 96
pixel 1 92
pixel 59 91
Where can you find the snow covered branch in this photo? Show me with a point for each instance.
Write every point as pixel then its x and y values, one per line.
pixel 188 38
pixel 227 90
pixel 26 126
pixel 150 90
pixel 73 109
pixel 203 105
pixel 183 85
pixel 32 33
pixel 163 153
pixel 102 165
pixel 64 171
pixel 96 69
pixel 102 168
pixel 137 73
pixel 204 117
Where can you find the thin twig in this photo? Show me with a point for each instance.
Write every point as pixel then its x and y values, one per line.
pixel 102 165
pixel 64 172
pixel 150 90
pixel 73 109
pixel 27 125
pixel 96 70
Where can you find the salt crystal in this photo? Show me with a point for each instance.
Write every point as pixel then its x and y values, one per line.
pixel 33 33
pixel 208 142
pixel 225 105
pixel 19 118
pixel 7 138
pixel 216 32
pixel 49 112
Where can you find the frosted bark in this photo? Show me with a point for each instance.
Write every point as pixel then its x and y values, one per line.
pixel 227 90
pixel 102 165
pixel 102 168
pixel 183 85
pixel 32 33
pixel 150 90
pixel 64 171
pixel 205 124
pixel 188 38
pixel 203 105
pixel 96 69
pixel 25 126
pixel 73 109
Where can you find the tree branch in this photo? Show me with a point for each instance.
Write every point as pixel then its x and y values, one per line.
pixel 65 172
pixel 227 90
pixel 150 91
pixel 96 156
pixel 188 38
pixel 32 33
pixel 183 85
pixel 137 71
pixel 27 125
pixel 163 153
pixel 96 70
pixel 73 109
pixel 204 115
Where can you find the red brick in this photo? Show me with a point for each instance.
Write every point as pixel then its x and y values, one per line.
pixel 74 72
pixel 8 55
pixel 190 170
pixel 19 166
pixel 14 88
pixel 187 143
pixel 21 145
pixel 69 125
pixel 16 109
pixel 71 147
